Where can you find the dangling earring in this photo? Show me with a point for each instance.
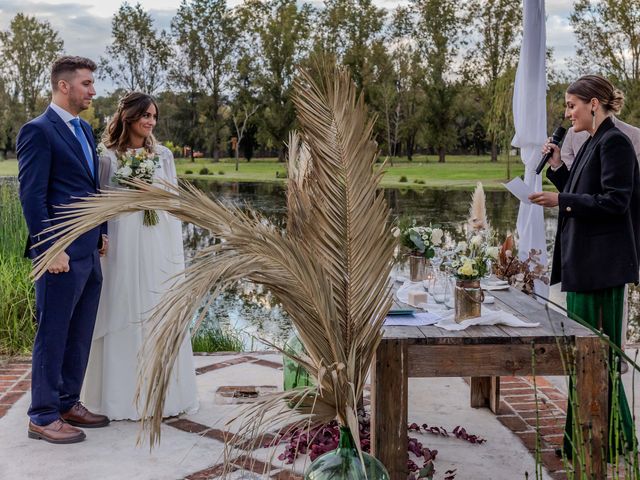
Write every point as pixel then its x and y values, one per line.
pixel 593 120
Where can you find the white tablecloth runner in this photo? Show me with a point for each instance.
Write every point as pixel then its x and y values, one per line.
pixel 441 316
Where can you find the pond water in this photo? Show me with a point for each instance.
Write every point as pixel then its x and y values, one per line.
pixel 257 314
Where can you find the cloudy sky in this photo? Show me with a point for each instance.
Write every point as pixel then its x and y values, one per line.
pixel 85 26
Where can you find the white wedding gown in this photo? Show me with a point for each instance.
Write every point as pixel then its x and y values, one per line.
pixel 137 270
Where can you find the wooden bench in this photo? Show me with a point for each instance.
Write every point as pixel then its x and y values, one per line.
pixel 485 353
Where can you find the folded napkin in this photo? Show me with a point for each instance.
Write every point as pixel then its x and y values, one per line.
pixel 402 294
pixel 415 320
pixel 491 317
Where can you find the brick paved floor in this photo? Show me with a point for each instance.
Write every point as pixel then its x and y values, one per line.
pixel 517 412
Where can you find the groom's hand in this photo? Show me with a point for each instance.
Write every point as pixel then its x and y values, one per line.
pixel 60 263
pixel 105 245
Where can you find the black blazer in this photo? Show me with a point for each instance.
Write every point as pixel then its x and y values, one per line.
pixel 598 239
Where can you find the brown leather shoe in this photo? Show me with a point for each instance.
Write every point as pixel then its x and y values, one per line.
pixel 79 416
pixel 56 432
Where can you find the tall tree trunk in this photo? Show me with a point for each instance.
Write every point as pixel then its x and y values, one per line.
pixel 494 150
pixel 410 147
pixel 441 154
pixel 216 150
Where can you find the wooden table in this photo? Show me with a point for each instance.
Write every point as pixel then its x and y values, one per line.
pixel 485 353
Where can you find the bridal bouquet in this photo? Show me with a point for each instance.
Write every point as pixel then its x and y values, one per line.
pixel 422 241
pixel 471 260
pixel 140 166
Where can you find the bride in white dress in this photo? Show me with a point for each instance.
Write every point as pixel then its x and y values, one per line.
pixel 137 270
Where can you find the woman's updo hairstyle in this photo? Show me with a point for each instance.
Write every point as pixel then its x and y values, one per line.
pixel 131 108
pixel 595 86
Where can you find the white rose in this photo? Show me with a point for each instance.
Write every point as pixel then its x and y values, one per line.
pixel 493 252
pixel 436 236
pixel 462 246
pixel 150 165
pixel 124 171
pixel 476 240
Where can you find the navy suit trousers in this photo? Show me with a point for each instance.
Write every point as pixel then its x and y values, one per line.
pixel 66 307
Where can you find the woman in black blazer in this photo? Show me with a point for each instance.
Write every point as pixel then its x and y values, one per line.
pixel 597 244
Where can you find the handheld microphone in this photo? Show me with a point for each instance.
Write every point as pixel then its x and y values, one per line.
pixel 556 138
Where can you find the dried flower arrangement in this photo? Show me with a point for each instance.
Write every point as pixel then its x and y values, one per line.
pixel 519 273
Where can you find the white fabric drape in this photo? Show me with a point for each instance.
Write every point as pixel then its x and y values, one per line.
pixel 530 120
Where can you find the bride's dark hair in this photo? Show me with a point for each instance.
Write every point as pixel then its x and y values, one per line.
pixel 131 107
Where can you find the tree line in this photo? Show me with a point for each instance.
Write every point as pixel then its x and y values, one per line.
pixel 438 74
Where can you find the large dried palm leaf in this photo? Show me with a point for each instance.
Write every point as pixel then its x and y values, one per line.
pixel 330 269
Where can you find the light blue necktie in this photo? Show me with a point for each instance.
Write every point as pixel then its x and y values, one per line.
pixel 83 141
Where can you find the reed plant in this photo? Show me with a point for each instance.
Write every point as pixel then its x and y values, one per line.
pixel 622 454
pixel 217 340
pixel 17 295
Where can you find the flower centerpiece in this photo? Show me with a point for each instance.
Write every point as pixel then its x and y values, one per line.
pixel 422 243
pixel 471 260
pixel 139 165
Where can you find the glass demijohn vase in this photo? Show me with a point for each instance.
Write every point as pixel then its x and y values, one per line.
pixel 344 463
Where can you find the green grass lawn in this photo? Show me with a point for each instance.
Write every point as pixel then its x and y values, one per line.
pixel 459 171
pixel 8 168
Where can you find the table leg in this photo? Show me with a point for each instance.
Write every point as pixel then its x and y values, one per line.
pixel 485 392
pixel 389 404
pixel 591 395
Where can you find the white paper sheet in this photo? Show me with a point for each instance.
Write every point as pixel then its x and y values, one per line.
pixel 519 189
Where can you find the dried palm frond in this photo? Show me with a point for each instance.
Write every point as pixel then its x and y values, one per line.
pixel 299 169
pixel 329 270
pixel 478 211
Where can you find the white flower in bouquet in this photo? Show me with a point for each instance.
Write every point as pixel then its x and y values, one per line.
pixel 493 252
pixel 476 241
pixel 124 172
pixel 461 247
pixel 436 236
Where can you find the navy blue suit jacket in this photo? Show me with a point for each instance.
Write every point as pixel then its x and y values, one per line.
pixel 52 170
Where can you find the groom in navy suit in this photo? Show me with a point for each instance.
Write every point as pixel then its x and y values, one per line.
pixel 57 163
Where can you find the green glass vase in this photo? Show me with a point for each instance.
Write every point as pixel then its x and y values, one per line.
pixel 344 463
pixel 294 374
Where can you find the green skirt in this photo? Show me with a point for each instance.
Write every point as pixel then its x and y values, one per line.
pixel 602 310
